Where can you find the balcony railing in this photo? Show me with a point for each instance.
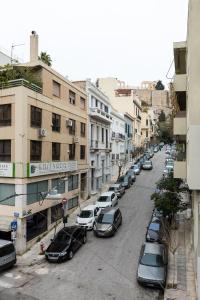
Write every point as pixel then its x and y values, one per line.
pixel 118 136
pixel 94 144
pixel 20 82
pixel 100 114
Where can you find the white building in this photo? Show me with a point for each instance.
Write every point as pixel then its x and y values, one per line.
pixel 118 141
pixel 99 133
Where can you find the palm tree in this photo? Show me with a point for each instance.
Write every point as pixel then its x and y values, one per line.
pixel 46 58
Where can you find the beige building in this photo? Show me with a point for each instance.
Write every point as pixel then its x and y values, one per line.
pixel 187 120
pixel 43 150
pixel 123 99
pixel 147 128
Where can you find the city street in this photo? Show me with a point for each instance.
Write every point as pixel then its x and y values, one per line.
pixel 103 268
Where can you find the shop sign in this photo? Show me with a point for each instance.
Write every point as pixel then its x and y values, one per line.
pixel 38 169
pixel 6 169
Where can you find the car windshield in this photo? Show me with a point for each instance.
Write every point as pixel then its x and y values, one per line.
pixel 147 162
pixel 135 167
pixel 152 260
pixel 86 214
pixel 105 219
pixel 120 179
pixel 103 199
pixel 112 188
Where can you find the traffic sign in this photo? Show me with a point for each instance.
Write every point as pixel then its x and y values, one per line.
pixel 13 225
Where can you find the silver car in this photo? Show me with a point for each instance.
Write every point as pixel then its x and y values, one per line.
pixel 147 165
pixel 152 267
pixel 118 189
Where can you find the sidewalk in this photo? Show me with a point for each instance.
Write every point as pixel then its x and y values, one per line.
pixel 181 277
pixel 32 256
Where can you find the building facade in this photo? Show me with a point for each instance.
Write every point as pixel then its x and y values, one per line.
pixel 129 130
pixel 186 91
pixel 99 136
pixel 43 151
pixel 124 100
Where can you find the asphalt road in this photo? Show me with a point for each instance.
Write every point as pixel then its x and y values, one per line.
pixel 103 269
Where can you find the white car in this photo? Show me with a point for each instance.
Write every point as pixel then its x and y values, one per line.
pixel 107 199
pixel 87 216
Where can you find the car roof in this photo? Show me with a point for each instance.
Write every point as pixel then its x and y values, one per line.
pixel 4 242
pixel 153 248
pixel 69 229
pixel 110 210
pixel 107 193
pixel 89 207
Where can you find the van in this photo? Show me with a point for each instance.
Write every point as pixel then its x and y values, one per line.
pixel 7 254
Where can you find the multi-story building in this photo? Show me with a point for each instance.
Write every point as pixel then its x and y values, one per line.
pixel 129 148
pixel 4 59
pixel 146 128
pixel 118 141
pixel 124 100
pixel 43 150
pixel 187 119
pixel 99 136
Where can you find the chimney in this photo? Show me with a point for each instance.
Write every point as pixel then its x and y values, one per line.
pixel 33 46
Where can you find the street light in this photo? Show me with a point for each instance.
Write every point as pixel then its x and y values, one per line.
pixel 12 48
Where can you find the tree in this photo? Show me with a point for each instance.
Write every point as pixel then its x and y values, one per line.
pixel 164 130
pixel 46 58
pixel 159 85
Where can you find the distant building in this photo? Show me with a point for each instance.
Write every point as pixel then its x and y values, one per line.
pixel 4 59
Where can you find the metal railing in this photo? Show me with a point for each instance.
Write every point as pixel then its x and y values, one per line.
pixel 20 82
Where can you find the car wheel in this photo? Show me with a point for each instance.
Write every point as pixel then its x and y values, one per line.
pixel 84 239
pixel 71 254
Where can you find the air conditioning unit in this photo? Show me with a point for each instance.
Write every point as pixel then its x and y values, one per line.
pixel 42 132
pixel 69 123
pixel 76 139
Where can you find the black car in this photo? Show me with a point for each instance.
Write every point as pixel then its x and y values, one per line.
pixel 125 181
pixel 67 241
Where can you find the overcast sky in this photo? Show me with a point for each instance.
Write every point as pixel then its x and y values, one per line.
pixel 130 39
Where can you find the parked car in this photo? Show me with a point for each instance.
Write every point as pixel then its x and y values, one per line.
pixel 87 216
pixel 108 222
pixel 155 149
pixel 152 266
pixel 66 242
pixel 7 254
pixel 107 199
pixel 167 170
pixel 125 181
pixel 147 165
pixel 118 189
pixel 157 213
pixel 169 160
pixel 154 231
pixel 131 173
pixel 136 168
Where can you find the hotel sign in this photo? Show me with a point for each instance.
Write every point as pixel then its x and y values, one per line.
pixel 39 169
pixel 7 169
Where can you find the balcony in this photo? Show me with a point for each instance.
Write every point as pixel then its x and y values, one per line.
pixel 180 127
pixel 180 169
pixel 20 82
pixel 108 147
pixel 98 172
pixel 94 145
pixel 180 83
pixel 118 136
pixel 100 115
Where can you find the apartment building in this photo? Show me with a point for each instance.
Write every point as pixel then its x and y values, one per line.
pixel 99 136
pixel 187 119
pixel 118 141
pixel 129 147
pixel 147 131
pixel 43 150
pixel 123 99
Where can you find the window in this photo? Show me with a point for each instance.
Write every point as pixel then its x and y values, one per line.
pixel 36 224
pixel 5 150
pixel 146 122
pixel 55 122
pixel 36 116
pixel 56 212
pixel 55 151
pixel 146 133
pixel 82 152
pixel 72 182
pixel 72 129
pixel 106 108
pixel 102 135
pixel 34 189
pixel 59 184
pixel 73 202
pixel 72 151
pixel 56 89
pixel 7 190
pixel 83 129
pixel 5 115
pixel 35 151
pixel 72 97
pixel 97 103
pixel 82 103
